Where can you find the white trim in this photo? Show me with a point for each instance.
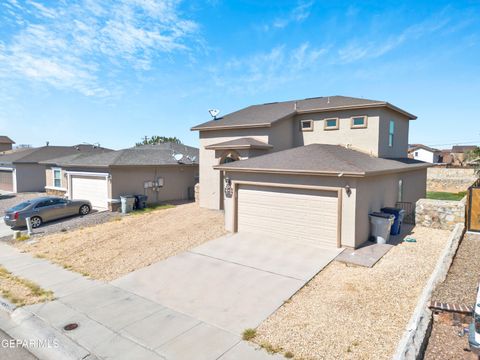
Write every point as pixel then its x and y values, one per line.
pixel 6 168
pixel 87 173
pixel 56 168
pixel 14 178
pixel 56 188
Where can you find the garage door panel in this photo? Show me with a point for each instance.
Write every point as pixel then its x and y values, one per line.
pixel 299 215
pixel 6 180
pixel 93 189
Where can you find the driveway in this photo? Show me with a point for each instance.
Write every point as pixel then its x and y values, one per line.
pixel 233 282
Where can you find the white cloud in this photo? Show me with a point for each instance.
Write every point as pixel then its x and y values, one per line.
pixel 360 49
pixel 298 14
pixel 69 45
pixel 266 70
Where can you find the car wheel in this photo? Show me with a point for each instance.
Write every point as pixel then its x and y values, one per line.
pixel 36 221
pixel 84 209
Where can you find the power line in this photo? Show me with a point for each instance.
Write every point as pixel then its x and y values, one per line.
pixel 457 143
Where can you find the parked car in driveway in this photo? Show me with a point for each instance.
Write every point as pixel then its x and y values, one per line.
pixel 474 333
pixel 45 209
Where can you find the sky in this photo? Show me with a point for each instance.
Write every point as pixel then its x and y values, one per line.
pixel 114 71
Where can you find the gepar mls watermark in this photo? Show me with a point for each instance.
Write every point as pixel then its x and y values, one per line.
pixel 29 343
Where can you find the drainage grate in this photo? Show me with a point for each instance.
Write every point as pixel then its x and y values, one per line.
pixel 70 327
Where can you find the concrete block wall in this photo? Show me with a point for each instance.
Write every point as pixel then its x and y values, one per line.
pixel 449 179
pixel 440 214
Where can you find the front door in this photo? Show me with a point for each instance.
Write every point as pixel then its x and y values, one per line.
pixel 473 215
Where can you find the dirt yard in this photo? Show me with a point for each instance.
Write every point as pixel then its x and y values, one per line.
pixel 126 243
pixel 20 291
pixel 349 312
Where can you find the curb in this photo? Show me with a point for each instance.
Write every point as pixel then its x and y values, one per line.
pixel 38 337
pixel 413 339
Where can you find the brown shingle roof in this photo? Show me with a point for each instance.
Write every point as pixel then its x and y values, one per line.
pixel 242 143
pixel 145 155
pixel 322 159
pixel 6 140
pixel 265 115
pixel 414 147
pixel 37 155
pixel 463 148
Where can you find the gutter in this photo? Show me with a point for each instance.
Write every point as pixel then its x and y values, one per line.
pixel 292 172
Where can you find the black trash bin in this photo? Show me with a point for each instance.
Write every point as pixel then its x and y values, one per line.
pixel 140 202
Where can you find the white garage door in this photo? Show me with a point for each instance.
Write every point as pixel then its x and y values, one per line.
pixel 6 180
pixel 305 216
pixel 91 188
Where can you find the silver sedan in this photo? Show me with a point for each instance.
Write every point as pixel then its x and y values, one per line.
pixel 45 209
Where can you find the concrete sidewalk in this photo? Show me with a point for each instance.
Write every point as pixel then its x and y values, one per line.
pixel 113 323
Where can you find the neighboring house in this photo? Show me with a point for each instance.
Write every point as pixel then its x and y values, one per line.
pixel 162 172
pixel 6 143
pixel 310 170
pixel 21 169
pixel 457 155
pixel 424 153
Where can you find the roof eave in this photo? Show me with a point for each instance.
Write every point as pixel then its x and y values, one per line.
pixel 399 170
pixel 291 172
pixel 237 147
pixel 229 127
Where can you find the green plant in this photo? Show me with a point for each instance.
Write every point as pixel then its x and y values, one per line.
pixel 23 237
pixel 151 208
pixel 439 195
pixel 270 348
pixel 155 139
pixel 249 334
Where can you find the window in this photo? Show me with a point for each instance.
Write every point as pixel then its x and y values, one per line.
pixel 331 124
pixel 400 190
pixel 306 125
pixel 57 178
pixel 416 153
pixel 43 204
pixel 391 133
pixel 358 122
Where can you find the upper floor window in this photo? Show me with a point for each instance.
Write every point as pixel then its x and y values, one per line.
pixel 57 177
pixel 391 133
pixel 358 122
pixel 331 124
pixel 306 125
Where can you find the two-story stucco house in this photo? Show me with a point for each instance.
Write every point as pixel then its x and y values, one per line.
pixel 310 170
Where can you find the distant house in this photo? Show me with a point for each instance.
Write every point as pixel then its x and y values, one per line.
pixel 21 170
pixel 457 155
pixel 424 153
pixel 162 172
pixel 6 143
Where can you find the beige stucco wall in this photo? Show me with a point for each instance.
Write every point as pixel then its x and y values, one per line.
pixel 30 177
pixel 400 142
pixel 334 183
pixel 5 147
pixel 177 180
pixel 363 139
pixel 210 178
pixel 376 192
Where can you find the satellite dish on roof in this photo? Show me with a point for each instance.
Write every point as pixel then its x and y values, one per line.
pixel 193 159
pixel 214 113
pixel 178 157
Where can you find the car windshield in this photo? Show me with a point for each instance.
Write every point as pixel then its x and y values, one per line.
pixel 21 206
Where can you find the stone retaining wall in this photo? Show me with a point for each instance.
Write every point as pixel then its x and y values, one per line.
pixel 449 179
pixel 440 214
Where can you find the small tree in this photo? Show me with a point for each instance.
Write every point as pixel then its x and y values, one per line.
pixel 155 139
pixel 474 156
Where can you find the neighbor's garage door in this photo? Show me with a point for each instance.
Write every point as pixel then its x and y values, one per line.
pixel 6 180
pixel 91 188
pixel 305 216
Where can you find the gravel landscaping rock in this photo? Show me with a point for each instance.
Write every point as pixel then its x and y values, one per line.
pixel 348 312
pixel 460 286
pixel 126 243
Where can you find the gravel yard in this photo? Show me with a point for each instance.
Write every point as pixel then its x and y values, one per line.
pixel 460 286
pixel 349 312
pixel 127 243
